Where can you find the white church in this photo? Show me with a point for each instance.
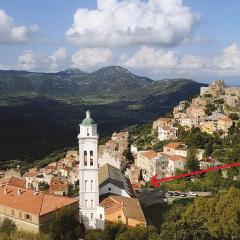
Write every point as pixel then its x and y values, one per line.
pixel 91 214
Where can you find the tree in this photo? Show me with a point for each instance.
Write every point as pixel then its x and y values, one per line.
pixel 209 109
pixel 112 230
pixel 192 163
pixel 73 191
pixel 137 233
pixel 128 156
pixel 93 235
pixel 218 214
pixel 219 101
pixel 180 172
pixel 20 235
pixel 234 116
pixel 7 226
pixel 208 149
pixel 66 226
pixel 43 186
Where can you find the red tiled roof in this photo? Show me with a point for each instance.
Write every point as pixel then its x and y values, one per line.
pixel 149 154
pixel 31 202
pixel 17 182
pixel 130 206
pixel 225 119
pixel 58 185
pixel 177 158
pixel 174 145
pixel 30 174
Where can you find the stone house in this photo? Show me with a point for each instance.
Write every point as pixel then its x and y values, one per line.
pixel 196 112
pixel 167 133
pixel 108 157
pixel 31 211
pixel 59 186
pixel 162 122
pixel 151 163
pixel 224 124
pixel 123 209
pixel 208 127
pixel 181 107
pixel 200 102
pixel 175 162
pixel 176 148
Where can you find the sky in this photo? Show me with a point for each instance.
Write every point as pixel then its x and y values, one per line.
pixel 155 38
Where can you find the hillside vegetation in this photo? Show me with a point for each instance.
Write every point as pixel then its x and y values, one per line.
pixel 40 112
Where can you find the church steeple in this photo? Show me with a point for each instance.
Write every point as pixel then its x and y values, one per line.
pixel 91 214
pixel 88 120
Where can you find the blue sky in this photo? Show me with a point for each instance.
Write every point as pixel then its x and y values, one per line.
pixel 156 38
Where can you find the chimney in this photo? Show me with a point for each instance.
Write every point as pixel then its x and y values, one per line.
pixel 19 191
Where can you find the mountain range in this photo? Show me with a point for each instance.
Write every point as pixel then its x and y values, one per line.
pixel 40 112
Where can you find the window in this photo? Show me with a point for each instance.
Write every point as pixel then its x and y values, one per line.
pixel 91 215
pixel 119 217
pixel 85 185
pixel 12 212
pixel 20 215
pixel 28 217
pixel 91 158
pixel 100 216
pixel 86 203
pixel 85 158
pixel 87 131
pixel 109 189
pixel 91 185
pixel 92 203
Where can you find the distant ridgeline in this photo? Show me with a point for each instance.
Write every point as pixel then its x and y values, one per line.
pixel 40 112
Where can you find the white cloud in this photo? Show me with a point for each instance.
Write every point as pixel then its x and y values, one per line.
pixel 91 58
pixel 120 23
pixel 229 62
pixel 4 67
pixel 148 57
pixel 157 61
pixel 57 58
pixel 27 61
pixel 192 62
pixel 11 33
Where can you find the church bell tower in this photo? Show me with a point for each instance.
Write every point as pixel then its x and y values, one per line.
pixel 91 214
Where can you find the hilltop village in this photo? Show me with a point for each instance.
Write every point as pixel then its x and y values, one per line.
pixel 104 183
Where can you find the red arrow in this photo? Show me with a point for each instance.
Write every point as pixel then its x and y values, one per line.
pixel 155 181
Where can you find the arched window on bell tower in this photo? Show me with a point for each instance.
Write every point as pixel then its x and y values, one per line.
pixel 91 185
pixel 91 158
pixel 85 158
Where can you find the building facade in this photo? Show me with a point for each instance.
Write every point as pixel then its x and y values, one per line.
pixel 31 211
pixel 124 209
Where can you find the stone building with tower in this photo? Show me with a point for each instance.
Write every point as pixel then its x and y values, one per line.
pixel 91 214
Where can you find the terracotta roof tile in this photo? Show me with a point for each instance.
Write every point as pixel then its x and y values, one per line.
pixel 59 185
pixel 149 154
pixel 174 145
pixel 17 182
pixel 31 202
pixel 30 174
pixel 177 158
pixel 131 207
